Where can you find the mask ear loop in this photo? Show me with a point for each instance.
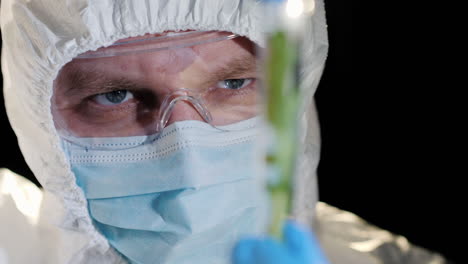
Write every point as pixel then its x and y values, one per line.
pixel 170 101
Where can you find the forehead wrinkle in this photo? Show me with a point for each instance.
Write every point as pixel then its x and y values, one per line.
pixel 76 81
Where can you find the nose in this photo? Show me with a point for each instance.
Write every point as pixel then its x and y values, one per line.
pixel 184 110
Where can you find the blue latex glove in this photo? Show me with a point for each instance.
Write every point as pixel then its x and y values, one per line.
pixel 298 247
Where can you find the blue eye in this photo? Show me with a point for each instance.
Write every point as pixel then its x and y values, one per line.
pixel 234 84
pixel 113 98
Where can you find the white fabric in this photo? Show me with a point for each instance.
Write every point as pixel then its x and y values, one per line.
pixel 344 237
pixel 40 36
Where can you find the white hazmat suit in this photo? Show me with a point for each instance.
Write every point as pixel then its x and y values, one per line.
pixel 53 225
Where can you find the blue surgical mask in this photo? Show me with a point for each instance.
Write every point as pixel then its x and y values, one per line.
pixel 184 196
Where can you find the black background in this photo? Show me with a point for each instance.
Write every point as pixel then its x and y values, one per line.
pixel 384 149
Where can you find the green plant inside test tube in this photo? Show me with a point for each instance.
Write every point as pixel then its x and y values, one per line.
pixel 283 97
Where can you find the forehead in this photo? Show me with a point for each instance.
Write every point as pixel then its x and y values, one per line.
pixel 140 58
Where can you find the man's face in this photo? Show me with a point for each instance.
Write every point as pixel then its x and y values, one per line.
pixel 122 95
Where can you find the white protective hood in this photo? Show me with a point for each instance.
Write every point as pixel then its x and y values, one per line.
pixel 40 36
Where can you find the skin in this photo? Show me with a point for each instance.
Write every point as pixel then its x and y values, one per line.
pixel 81 85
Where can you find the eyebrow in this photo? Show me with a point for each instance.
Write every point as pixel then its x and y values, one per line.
pixel 96 82
pixel 79 82
pixel 235 68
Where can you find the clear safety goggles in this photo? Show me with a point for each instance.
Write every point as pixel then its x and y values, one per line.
pixel 138 86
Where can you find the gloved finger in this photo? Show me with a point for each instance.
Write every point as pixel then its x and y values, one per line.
pixel 296 238
pixel 301 243
pixel 260 251
pixel 269 251
pixel 243 251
